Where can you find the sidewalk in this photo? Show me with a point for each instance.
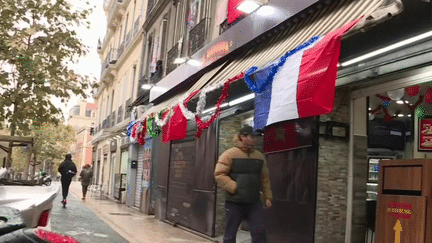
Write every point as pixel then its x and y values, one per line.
pixel 135 226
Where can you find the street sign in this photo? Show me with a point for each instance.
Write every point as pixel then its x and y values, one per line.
pixel 401 219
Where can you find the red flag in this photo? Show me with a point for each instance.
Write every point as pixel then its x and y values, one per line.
pixel 288 135
pixel 317 78
pixel 233 13
pixel 176 127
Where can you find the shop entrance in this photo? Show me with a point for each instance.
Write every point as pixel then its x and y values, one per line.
pixel 395 124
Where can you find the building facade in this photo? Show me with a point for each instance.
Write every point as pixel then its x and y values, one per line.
pixel 120 58
pixel 325 191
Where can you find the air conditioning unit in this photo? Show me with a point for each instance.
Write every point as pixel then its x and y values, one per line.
pixel 140 110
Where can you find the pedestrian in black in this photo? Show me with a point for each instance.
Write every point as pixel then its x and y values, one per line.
pixel 67 170
pixel 86 176
pixel 243 173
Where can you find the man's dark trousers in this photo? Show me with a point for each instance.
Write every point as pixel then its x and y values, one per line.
pixel 65 181
pixel 253 213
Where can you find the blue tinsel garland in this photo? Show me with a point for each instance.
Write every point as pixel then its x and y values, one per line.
pixel 274 68
pixel 129 128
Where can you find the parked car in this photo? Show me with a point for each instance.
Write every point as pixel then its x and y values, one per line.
pixel 33 202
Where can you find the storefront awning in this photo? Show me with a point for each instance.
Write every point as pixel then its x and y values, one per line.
pixel 298 31
pixel 325 20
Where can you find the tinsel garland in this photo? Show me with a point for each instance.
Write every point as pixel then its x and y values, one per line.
pixel 141 135
pixel 205 125
pixel 183 106
pixel 152 131
pixel 202 98
pixel 418 102
pixel 274 68
pixel 162 122
pixel 129 128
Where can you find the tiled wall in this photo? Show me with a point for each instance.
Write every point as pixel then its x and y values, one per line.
pixel 228 128
pixel 332 178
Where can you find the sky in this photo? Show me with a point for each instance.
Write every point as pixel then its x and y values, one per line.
pixel 90 64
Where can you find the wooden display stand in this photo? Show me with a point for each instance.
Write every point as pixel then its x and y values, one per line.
pixel 404 201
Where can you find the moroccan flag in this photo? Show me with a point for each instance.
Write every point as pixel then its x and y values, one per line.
pixel 304 85
pixel 288 135
pixel 233 13
pixel 176 128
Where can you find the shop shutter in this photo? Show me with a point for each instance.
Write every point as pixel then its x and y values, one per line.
pixel 139 176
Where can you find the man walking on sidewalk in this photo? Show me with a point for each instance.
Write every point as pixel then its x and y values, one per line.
pixel 242 172
pixel 67 170
pixel 85 176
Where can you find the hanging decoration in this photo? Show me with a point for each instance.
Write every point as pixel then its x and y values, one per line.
pixel 383 98
pixel 205 125
pixel 371 116
pixel 413 90
pixel 421 112
pixel 176 129
pixel 274 68
pixel 418 102
pixel 183 106
pixel 428 96
pixel 134 132
pixel 386 103
pixel 152 128
pixel 164 121
pixel 130 127
pixel 142 134
pixel 396 94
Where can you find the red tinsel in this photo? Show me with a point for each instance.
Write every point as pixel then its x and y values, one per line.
pixel 376 110
pixel 413 90
pixel 384 98
pixel 205 125
pixel 134 131
pixel 413 107
pixel 141 135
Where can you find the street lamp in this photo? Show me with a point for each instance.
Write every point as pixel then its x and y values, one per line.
pixel 249 6
pixel 187 60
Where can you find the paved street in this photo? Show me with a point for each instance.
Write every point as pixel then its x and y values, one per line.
pixel 80 222
pixel 105 221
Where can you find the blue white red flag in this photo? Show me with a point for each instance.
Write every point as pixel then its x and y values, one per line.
pixel 303 84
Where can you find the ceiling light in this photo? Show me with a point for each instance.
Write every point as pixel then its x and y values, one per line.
pixel 248 6
pixel 409 115
pixel 400 115
pixel 370 108
pixel 194 62
pixel 242 99
pixel 388 48
pixel 180 60
pixel 400 102
pixel 266 10
pixel 214 108
pixel 146 86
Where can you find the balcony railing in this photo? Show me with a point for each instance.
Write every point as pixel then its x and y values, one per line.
pixel 111 58
pixel 113 118
pixel 137 26
pixel 128 103
pixel 105 123
pixel 128 38
pixel 121 49
pixel 120 114
pixel 198 35
pixel 171 56
pixel 150 5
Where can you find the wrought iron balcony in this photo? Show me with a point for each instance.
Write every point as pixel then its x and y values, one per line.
pixel 105 123
pixel 137 26
pixel 120 114
pixel 198 35
pixel 150 5
pixel 171 56
pixel 128 103
pixel 111 58
pixel 128 38
pixel 121 49
pixel 113 118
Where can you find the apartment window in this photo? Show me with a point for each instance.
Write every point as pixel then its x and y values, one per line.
pixel 75 111
pixel 88 113
pixel 126 25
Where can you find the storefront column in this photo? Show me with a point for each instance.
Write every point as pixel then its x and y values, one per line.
pixel 357 172
pixel 131 175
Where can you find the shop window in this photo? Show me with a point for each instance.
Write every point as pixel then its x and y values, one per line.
pixel 88 113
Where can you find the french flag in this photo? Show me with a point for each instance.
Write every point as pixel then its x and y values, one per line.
pixel 304 84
